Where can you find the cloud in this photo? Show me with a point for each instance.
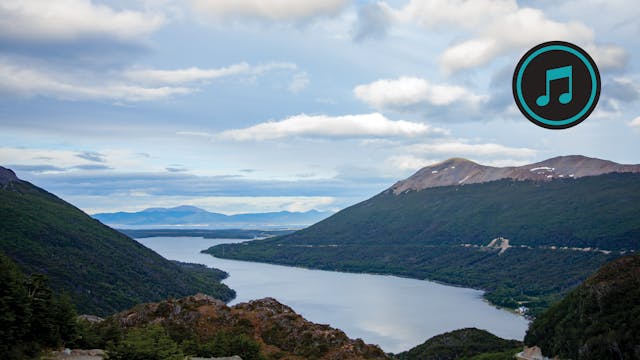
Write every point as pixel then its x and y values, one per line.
pixel 622 89
pixel 468 14
pixel 409 91
pixel 30 81
pixel 70 20
pixel 46 168
pixel 195 74
pixel 40 168
pixel 374 124
pixel 520 29
pixel 131 85
pixel 635 122
pixel 181 76
pixel 91 167
pixel 176 168
pixel 408 162
pixel 299 82
pixel 270 10
pixel 608 56
pixel 373 22
pixel 498 27
pixel 472 150
pixel 91 156
pixel 31 160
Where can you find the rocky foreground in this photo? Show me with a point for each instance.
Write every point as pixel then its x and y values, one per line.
pixel 280 332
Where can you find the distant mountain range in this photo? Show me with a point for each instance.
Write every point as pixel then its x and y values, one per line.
pixel 525 234
pixel 101 269
pixel 191 216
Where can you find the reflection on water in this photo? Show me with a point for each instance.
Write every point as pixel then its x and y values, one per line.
pixel 395 313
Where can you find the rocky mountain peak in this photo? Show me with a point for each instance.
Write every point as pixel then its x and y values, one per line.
pixel 7 176
pixel 458 171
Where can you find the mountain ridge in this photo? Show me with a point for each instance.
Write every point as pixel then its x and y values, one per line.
pixel 459 171
pixel 7 176
pixel 192 215
pixel 558 233
pixel 101 269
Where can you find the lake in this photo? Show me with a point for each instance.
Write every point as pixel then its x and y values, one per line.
pixel 395 313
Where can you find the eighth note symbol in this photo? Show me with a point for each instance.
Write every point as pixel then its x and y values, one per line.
pixel 556 74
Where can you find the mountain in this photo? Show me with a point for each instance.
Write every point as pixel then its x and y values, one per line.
pixel 458 171
pixel 524 241
pixel 101 269
pixel 7 176
pixel 203 326
pixel 461 344
pixel 598 320
pixel 194 216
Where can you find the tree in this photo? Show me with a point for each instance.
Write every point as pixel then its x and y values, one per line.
pixel 32 316
pixel 147 343
pixel 15 314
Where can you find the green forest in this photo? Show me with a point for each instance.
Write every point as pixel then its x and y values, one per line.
pixel 36 319
pixel 469 343
pixel 598 320
pixel 102 270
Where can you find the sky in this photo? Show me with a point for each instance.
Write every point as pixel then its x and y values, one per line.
pixel 242 106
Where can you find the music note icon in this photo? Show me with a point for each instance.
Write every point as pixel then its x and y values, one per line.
pixel 556 74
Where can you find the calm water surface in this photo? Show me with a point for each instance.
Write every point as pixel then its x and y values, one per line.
pixel 395 313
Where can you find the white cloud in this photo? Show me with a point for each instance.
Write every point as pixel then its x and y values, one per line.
pixel 194 133
pixel 66 160
pixel 180 76
pixel 132 85
pixel 469 14
pixel 68 20
pixel 413 163
pixel 472 150
pixel 503 162
pixel 635 122
pixel 374 124
pixel 195 74
pixel 498 27
pixel 520 29
pixel 608 56
pixel 407 91
pixel 31 81
pixel 408 162
pixel 272 10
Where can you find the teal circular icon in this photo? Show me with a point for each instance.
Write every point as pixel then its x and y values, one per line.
pixel 556 85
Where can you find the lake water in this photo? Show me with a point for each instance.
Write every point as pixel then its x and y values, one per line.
pixel 395 313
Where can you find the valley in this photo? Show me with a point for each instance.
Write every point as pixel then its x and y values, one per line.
pixel 395 313
pixel 559 229
pixel 523 243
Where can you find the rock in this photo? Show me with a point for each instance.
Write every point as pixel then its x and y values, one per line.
pixel 91 318
pixel 7 176
pixel 457 171
pixel 275 326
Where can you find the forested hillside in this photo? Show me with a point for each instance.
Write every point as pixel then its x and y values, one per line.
pixel 101 269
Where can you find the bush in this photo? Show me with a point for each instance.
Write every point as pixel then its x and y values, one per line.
pixel 147 343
